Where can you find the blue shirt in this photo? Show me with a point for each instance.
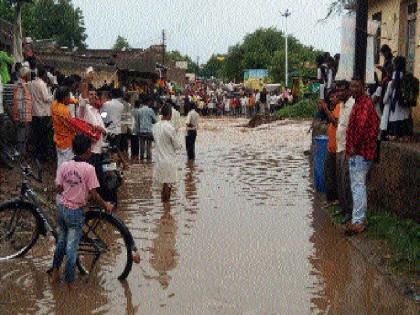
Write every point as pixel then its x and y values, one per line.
pixel 144 118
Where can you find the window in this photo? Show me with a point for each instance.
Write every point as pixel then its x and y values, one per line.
pixel 377 17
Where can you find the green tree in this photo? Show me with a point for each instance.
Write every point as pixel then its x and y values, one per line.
pixel 50 19
pixel 121 43
pixel 263 49
pixel 175 56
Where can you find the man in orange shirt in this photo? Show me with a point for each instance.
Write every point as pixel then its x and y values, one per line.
pixel 330 163
pixel 64 132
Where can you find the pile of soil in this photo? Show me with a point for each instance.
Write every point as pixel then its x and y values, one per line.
pixel 258 120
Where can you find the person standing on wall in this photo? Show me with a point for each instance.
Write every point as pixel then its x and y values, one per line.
pixel 192 126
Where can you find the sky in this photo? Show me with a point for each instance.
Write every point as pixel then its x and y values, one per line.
pixel 200 28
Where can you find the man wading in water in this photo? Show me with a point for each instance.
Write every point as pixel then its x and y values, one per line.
pixel 166 146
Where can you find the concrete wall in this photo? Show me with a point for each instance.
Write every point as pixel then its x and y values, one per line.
pixel 394 33
pixel 394 182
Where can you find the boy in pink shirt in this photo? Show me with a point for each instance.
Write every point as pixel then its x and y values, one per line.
pixel 76 181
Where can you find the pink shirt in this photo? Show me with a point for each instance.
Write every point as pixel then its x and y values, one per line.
pixel 77 179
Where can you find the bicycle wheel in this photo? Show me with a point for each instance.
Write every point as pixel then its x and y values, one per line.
pixel 19 229
pixel 105 247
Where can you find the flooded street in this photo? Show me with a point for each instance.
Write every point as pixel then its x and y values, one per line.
pixel 243 235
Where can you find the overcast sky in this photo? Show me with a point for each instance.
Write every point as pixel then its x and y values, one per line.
pixel 203 27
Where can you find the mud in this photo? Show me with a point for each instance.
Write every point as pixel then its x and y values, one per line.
pixel 244 235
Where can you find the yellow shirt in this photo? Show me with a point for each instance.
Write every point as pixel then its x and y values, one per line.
pixel 63 131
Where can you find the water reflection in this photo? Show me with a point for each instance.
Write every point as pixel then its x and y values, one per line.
pixel 130 309
pixel 348 284
pixel 164 255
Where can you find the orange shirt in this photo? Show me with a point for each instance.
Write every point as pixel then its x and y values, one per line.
pixel 63 131
pixel 331 131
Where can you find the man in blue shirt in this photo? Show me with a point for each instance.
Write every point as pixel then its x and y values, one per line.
pixel 144 118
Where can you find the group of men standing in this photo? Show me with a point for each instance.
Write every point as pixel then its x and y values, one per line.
pixel 352 147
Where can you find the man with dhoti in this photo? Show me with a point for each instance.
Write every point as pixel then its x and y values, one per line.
pixel 167 144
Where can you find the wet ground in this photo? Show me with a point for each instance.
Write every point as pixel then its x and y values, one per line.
pixel 243 235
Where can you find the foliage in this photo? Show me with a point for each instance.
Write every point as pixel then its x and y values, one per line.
pixel 401 235
pixel 305 108
pixel 50 19
pixel 263 49
pixel 120 44
pixel 337 7
pixel 175 56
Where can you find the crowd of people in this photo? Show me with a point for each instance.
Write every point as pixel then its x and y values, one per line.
pixel 358 118
pixel 66 119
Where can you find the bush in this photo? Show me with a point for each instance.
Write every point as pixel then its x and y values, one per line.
pixel 305 108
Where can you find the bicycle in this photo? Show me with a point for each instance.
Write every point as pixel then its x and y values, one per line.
pixel 23 219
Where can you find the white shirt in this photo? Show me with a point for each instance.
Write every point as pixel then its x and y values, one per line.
pixel 93 117
pixel 192 118
pixel 176 119
pixel 400 112
pixel 343 121
pixel 41 99
pixel 167 144
pixel 114 108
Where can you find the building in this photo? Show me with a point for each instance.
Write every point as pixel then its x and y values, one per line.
pixel 400 29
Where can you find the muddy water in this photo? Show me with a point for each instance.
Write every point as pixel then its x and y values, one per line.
pixel 243 235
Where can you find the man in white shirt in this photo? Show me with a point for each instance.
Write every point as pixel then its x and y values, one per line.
pixel 114 109
pixel 192 126
pixel 175 119
pixel 92 115
pixel 41 114
pixel 343 176
pixel 167 144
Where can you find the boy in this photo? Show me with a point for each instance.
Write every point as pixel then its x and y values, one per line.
pixel 76 181
pixel 330 163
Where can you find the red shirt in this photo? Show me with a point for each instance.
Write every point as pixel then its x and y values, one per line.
pixel 362 130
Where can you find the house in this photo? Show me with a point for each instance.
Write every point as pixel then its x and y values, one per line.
pixel 400 29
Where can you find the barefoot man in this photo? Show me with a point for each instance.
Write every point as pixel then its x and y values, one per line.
pixel 167 144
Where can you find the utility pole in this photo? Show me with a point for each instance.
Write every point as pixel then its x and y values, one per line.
pixel 286 14
pixel 198 67
pixel 163 46
pixel 361 39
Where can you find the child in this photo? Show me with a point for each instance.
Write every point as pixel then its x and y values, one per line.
pixel 76 181
pixel 330 163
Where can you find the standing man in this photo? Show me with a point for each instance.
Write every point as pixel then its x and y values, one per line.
pixel 343 176
pixel 41 114
pixel 166 146
pixel 361 146
pixel 192 125
pixel 144 118
pixel 64 132
pixel 114 109
pixel 263 101
pixel 22 108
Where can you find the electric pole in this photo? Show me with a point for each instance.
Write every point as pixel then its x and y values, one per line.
pixel 286 14
pixel 163 47
pixel 198 67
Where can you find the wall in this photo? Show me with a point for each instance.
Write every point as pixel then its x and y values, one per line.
pixel 394 27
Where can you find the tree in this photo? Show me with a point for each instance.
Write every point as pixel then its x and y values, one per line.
pixel 263 49
pixel 49 19
pixel 175 56
pixel 120 44
pixel 337 7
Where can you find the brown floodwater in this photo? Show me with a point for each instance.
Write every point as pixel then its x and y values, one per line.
pixel 243 235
